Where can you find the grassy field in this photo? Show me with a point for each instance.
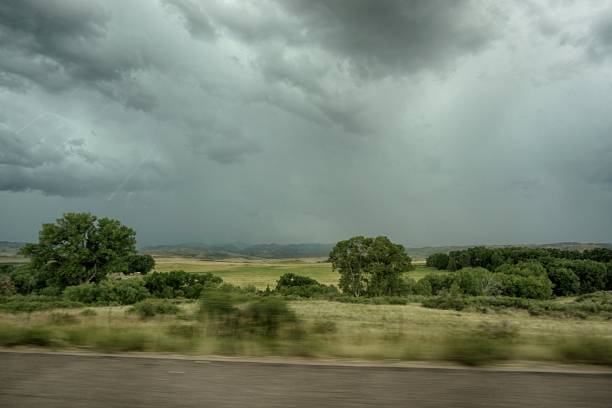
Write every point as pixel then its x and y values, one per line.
pixel 262 273
pixel 399 332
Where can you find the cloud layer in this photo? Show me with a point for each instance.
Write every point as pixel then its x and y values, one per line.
pixel 269 120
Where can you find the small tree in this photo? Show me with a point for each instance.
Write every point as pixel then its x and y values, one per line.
pixel 80 248
pixel 369 266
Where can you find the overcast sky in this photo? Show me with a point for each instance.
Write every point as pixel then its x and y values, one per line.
pixel 432 122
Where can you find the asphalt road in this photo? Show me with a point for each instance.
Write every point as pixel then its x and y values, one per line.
pixel 58 380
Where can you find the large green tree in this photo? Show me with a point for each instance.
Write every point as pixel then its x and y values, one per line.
pixel 369 266
pixel 80 248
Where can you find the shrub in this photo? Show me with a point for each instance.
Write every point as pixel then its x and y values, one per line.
pixel 180 284
pixel 591 350
pixel 592 274
pixel 32 303
pixel 477 282
pixel 140 263
pixel 292 280
pixel 423 288
pixel 531 287
pixel 524 268
pixel 88 312
pixel 24 279
pixel 265 316
pixel 437 282
pixel 7 287
pixel 123 292
pixel 439 261
pixel 565 282
pixel 324 327
pixel 153 307
pixel 447 299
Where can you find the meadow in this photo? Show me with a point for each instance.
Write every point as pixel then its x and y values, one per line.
pixel 327 328
pixel 264 273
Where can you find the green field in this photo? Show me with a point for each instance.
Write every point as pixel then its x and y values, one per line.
pixel 263 273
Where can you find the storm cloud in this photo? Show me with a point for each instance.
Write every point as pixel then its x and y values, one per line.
pixel 287 121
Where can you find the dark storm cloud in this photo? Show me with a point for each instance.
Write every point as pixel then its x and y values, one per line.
pixel 433 122
pixel 56 43
pixel 393 37
pixel 43 158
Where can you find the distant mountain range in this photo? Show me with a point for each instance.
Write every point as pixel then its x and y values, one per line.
pixel 288 251
pixel 314 250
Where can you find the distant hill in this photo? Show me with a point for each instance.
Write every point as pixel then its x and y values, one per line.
pixel 315 250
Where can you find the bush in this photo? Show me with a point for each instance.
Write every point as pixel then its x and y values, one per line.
pixel 324 327
pixel 292 280
pixel 123 292
pixel 120 340
pixel 591 350
pixel 531 287
pixel 423 288
pixel 565 282
pixel 7 287
pixel 140 263
pixel 24 279
pixel 447 299
pixel 439 261
pixel 153 307
pixel 437 282
pixel 592 275
pixel 477 282
pixel 33 303
pixel 524 268
pixel 265 316
pixel 180 284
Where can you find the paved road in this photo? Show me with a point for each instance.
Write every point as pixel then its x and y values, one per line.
pixel 57 380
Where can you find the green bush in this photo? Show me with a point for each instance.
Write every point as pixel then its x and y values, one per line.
pixel 531 287
pixel 33 303
pixel 565 282
pixel 477 282
pixel 437 282
pixel 123 292
pixel 180 284
pixel 592 274
pixel 153 307
pixel 120 340
pixel 7 287
pixel 324 327
pixel 439 261
pixel 423 288
pixel 139 263
pixel 265 316
pixel 591 350
pixel 291 280
pixel 60 319
pixel 446 299
pixel 523 268
pixel 24 279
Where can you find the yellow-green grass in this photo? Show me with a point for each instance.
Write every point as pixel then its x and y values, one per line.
pixel 405 332
pixel 263 273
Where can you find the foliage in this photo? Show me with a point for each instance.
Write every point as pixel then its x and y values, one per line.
pixel 123 292
pixel 437 282
pixel 7 287
pixel 531 287
pixel 153 307
pixel 30 336
pixel 24 279
pixel 266 316
pixel 369 266
pixel 80 248
pixel 523 268
pixel 293 280
pixel 32 303
pixel 438 260
pixel 477 282
pixel 592 274
pixel 447 299
pixel 137 263
pixel 180 284
pixel 565 282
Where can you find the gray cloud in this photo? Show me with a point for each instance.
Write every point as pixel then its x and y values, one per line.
pixel 266 120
